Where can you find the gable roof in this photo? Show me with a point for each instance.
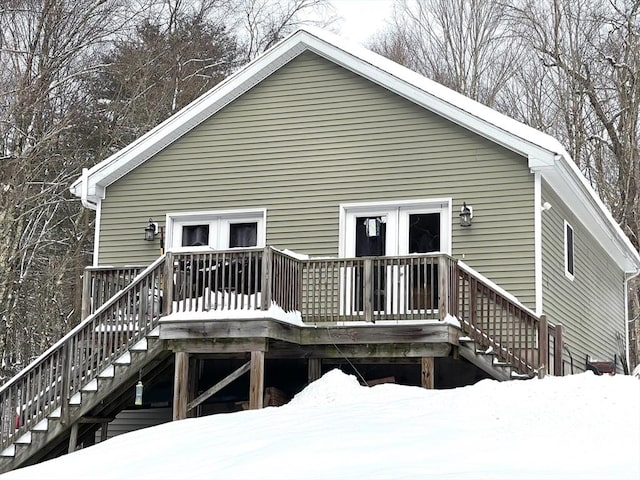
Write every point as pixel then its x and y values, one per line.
pixel 544 153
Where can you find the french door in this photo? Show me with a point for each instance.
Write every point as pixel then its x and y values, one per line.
pixel 394 230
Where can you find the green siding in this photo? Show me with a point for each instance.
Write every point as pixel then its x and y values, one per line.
pixel 591 306
pixel 314 135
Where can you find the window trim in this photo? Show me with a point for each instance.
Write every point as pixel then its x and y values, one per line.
pixel 217 220
pixel 569 274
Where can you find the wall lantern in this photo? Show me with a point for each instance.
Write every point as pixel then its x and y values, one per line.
pixel 466 214
pixel 150 231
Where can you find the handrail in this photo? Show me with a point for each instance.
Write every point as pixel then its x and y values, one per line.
pixel 61 371
pixel 495 319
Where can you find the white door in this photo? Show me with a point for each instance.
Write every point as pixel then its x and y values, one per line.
pixel 395 230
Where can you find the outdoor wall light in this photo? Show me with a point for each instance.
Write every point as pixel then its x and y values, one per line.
pixel 466 214
pixel 150 231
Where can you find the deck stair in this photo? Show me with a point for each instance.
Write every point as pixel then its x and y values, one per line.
pixel 99 360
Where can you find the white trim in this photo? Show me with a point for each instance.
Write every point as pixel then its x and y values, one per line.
pixel 567 273
pixel 627 321
pixel 219 217
pixel 393 209
pixel 96 233
pixel 537 240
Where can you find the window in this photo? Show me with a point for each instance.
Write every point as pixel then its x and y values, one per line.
pixel 568 251
pixel 217 230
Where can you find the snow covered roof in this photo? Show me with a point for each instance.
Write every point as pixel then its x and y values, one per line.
pixel 543 152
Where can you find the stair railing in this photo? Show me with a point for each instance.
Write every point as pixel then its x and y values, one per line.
pixel 51 380
pixel 496 320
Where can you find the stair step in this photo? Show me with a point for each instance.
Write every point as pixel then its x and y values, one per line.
pixel 41 426
pixel 465 340
pixel 108 372
pixel 155 333
pixel 125 359
pixel 76 399
pixel 57 413
pixel 141 346
pixel 24 439
pixel 92 386
pixel 10 451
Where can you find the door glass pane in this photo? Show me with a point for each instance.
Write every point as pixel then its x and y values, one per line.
pixel 195 235
pixel 370 236
pixel 424 232
pixel 243 235
pixel 371 242
pixel 424 237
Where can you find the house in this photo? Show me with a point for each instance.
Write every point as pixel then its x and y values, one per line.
pixel 325 206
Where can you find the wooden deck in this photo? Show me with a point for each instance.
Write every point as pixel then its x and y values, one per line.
pixel 262 304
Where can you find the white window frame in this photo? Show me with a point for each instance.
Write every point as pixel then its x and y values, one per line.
pixel 218 221
pixel 567 273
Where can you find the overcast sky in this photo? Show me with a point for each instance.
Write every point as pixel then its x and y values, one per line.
pixel 362 18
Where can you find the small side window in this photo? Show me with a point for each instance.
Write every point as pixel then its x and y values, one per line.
pixel 568 251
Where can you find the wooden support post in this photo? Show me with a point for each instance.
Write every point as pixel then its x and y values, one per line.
pixel 85 309
pixel 443 287
pixel 558 346
pixel 181 386
pixel 256 388
pixel 194 369
pixel 267 263
pixel 314 369
pixel 73 437
pixel 543 345
pixel 167 290
pixel 104 431
pixel 427 372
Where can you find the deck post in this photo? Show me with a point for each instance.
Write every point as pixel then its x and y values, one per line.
pixel 167 290
pixel 426 377
pixel 256 382
pixel 267 263
pixel 66 384
pixel 367 290
pixel 443 287
pixel 558 344
pixel 181 385
pixel 543 344
pixel 85 309
pixel 314 369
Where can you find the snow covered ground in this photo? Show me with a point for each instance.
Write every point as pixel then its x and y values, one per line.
pixel 581 426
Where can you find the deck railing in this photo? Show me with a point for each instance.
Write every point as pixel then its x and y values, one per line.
pixel 333 290
pixel 426 286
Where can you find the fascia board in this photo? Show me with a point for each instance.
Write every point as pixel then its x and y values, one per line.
pixel 575 191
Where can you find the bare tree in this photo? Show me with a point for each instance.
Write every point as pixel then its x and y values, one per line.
pixel 45 48
pixel 592 48
pixel 463 44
